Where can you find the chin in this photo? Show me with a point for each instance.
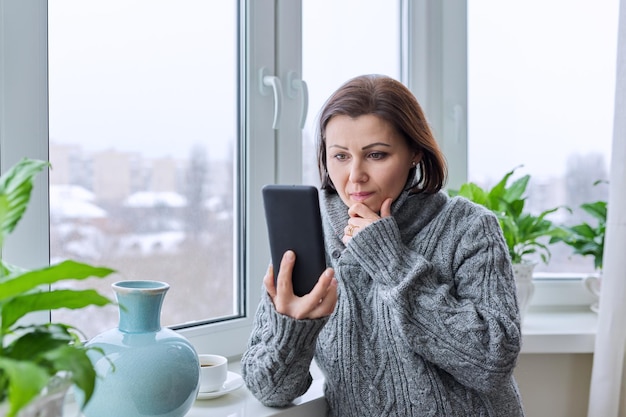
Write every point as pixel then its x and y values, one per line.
pixel 375 209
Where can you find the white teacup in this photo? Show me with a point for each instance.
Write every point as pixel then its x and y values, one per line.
pixel 213 372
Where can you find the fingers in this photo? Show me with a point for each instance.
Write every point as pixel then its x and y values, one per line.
pixel 350 230
pixel 281 288
pixel 385 209
pixel 322 299
pixel 362 211
pixel 319 292
pixel 283 281
pixel 328 303
pixel 320 302
pixel 268 281
pixel 361 216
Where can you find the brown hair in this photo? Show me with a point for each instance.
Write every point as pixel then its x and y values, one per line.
pixel 390 100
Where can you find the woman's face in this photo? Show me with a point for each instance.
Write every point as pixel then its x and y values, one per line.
pixel 367 160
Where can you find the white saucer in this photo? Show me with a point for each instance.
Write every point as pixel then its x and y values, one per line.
pixel 233 381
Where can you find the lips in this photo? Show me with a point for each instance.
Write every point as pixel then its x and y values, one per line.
pixel 361 196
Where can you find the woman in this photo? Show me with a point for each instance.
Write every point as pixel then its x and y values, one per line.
pixel 418 314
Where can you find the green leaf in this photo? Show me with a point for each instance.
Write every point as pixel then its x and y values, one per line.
pixel 38 340
pixel 15 285
pixel 16 185
pixel 515 208
pixel 34 353
pixel 473 192
pixel 597 261
pixel 7 269
pixel 597 210
pixel 498 191
pixel 517 189
pixel 26 380
pixel 19 306
pixel 584 230
pixel 585 239
pixel 75 360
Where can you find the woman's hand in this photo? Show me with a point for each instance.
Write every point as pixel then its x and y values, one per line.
pixel 320 302
pixel 361 216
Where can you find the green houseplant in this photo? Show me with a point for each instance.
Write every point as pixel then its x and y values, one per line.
pixel 524 232
pixel 586 239
pixel 33 355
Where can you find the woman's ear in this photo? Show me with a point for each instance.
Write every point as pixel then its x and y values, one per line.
pixel 417 157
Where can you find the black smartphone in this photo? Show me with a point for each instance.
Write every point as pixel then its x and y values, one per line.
pixel 292 214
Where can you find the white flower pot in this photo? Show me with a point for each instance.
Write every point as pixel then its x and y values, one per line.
pixel 523 273
pixel 592 284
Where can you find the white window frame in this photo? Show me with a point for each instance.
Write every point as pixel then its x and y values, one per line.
pixel 267 154
pixel 435 35
pixel 24 118
pixel 24 122
pixel 229 337
pixel 435 68
pixel 436 71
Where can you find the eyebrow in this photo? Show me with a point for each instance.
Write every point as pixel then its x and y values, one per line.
pixel 371 145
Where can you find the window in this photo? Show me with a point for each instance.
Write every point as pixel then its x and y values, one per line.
pixel 144 141
pixel 541 82
pixel 520 83
pixel 244 126
pixel 117 97
pixel 372 40
pixel 424 43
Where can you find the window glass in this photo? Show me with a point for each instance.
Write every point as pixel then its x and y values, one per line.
pixel 143 146
pixel 340 40
pixel 541 85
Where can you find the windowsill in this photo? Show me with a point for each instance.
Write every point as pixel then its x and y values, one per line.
pixel 547 328
pixel 241 403
pixel 559 319
pixel 559 330
pixel 563 329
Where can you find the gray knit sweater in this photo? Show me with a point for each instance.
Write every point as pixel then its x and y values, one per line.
pixel 426 323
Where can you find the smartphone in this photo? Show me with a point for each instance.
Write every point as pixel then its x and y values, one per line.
pixel 292 215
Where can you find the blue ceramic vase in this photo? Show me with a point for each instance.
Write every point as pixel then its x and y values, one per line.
pixel 143 369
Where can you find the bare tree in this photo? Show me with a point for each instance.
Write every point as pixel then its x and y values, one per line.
pixel 585 182
pixel 195 191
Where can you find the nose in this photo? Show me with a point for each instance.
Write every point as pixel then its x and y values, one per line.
pixel 357 172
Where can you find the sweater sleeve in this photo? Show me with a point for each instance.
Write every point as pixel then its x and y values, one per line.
pixel 275 366
pixel 467 323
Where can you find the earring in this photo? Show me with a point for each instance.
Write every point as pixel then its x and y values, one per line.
pixel 413 163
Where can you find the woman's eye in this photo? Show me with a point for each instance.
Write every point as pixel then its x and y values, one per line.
pixel 377 155
pixel 341 156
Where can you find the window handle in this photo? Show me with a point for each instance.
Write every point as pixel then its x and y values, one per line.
pixel 295 84
pixel 267 82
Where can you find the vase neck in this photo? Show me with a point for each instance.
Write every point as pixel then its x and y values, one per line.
pixel 140 305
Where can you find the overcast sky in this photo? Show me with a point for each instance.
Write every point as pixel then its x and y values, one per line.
pixel 541 82
pixel 146 76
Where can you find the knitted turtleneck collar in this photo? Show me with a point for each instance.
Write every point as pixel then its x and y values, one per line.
pixel 411 211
